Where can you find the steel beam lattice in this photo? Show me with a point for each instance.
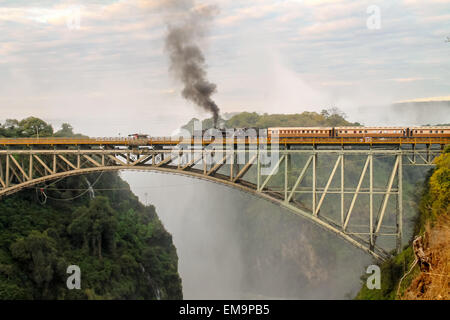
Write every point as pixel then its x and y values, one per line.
pixel 295 180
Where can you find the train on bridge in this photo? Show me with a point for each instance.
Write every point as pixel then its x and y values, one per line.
pixel 428 135
pixel 361 132
pixel 332 132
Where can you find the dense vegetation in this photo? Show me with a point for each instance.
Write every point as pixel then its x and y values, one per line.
pixel 433 223
pixel 34 127
pixel 119 244
pixel 330 117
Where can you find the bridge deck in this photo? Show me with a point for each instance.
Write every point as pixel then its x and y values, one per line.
pixel 167 141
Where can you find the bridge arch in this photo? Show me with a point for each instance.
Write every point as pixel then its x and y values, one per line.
pixel 375 252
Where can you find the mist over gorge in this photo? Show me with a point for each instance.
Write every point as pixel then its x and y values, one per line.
pixel 232 245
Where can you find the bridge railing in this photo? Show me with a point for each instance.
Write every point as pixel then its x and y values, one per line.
pixel 248 141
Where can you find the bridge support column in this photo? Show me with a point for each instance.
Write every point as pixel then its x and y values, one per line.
pixel 355 195
pixel 205 164
pixel 233 160
pixel 7 171
pixel 400 205
pixel 30 168
pixel 395 172
pixel 54 163
pixel 2 181
pixel 371 240
pixel 286 176
pixel 314 180
pixel 342 189
pixel 258 171
pixel 237 161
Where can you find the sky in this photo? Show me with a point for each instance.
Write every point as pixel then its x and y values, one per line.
pixel 101 65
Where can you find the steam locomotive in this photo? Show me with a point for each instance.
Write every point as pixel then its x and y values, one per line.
pixel 138 136
pixel 230 133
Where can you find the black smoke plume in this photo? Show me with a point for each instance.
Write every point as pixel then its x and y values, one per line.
pixel 187 61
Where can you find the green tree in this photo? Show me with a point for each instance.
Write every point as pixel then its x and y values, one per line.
pixel 37 255
pixel 34 127
pixel 65 131
pixel 10 128
pixel 95 226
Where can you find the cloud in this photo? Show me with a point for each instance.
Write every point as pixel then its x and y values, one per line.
pixel 248 13
pixel 336 26
pixel 336 83
pixel 408 79
pixel 324 54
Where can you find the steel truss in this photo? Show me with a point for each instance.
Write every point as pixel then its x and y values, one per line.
pixel 293 179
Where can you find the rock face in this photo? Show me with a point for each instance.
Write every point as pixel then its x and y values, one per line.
pixel 433 250
pixel 432 281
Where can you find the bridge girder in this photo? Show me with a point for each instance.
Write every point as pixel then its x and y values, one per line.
pixel 21 169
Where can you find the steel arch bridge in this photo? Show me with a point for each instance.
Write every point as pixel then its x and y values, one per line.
pixel 308 182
